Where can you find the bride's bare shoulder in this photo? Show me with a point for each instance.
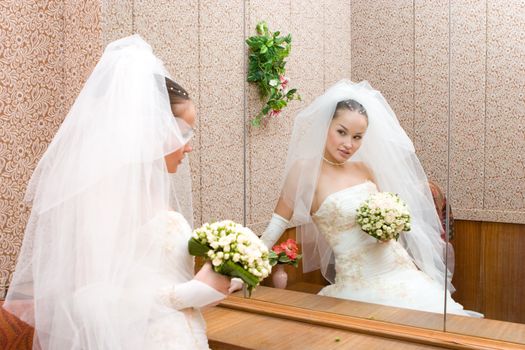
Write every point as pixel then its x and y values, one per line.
pixel 363 170
pixel 359 166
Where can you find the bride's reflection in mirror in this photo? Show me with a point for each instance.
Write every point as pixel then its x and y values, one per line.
pixel 346 146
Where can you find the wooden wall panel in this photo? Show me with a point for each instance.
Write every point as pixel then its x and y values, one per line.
pixel 503 278
pixel 489 276
pixel 467 271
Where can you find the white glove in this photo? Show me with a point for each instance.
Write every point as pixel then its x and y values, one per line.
pixel 235 284
pixel 275 229
pixel 193 293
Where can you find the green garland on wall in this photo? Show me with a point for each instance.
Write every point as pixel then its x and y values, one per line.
pixel 266 68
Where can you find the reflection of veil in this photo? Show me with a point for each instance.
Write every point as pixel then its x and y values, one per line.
pixel 387 150
pixel 86 275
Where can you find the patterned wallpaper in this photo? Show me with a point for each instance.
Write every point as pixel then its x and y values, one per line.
pixel 46 52
pixel 490 45
pixel 402 48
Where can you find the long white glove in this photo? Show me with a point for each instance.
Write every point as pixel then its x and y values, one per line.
pixel 193 293
pixel 274 230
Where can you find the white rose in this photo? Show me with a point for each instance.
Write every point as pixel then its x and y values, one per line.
pixel 390 218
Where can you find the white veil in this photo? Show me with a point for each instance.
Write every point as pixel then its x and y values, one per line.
pixel 86 275
pixel 387 151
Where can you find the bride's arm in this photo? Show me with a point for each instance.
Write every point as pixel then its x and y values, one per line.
pixel 206 288
pixel 278 224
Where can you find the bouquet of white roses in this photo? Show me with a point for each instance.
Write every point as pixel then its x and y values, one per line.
pixel 383 216
pixel 234 250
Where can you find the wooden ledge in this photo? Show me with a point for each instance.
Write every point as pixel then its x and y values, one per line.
pixel 365 326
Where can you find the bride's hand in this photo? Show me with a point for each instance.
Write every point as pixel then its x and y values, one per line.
pixel 215 280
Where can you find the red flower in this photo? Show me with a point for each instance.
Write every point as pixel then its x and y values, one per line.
pixel 290 248
pixel 277 249
pixel 287 253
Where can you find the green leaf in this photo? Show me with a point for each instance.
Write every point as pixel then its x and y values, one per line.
pixel 265 110
pixel 229 268
pixel 196 248
pixel 262 27
pixel 284 259
pixel 264 49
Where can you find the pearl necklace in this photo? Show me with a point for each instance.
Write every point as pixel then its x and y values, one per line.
pixel 333 163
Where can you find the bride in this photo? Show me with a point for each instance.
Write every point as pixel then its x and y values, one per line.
pixel 104 262
pixel 347 145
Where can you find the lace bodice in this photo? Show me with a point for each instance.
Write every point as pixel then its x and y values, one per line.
pixel 358 256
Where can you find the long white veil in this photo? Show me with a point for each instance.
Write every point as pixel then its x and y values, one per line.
pixel 387 151
pixel 86 275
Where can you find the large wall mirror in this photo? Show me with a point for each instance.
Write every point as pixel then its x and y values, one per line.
pixel 454 79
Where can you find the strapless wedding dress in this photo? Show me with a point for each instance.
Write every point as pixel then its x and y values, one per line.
pixel 371 271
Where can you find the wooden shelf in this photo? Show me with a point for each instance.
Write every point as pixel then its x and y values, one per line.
pixel 331 315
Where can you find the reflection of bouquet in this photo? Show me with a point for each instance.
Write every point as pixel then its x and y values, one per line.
pixel 285 253
pixel 233 249
pixel 383 216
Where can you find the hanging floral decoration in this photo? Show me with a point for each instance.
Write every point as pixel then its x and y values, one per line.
pixel 266 68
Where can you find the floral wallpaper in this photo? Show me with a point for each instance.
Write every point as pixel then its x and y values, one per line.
pixel 47 50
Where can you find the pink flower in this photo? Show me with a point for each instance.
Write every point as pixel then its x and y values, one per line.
pixel 274 113
pixel 284 82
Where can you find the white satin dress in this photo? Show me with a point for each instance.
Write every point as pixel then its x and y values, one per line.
pixel 176 319
pixel 371 271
